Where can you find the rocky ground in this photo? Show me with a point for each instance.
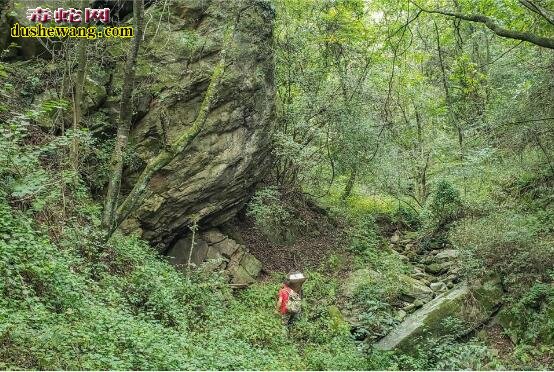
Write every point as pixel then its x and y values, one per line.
pixel 433 273
pixel 431 292
pixel 217 251
pixel 432 288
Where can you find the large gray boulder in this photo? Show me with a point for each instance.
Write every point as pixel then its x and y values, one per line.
pixel 213 178
pixel 413 289
pixel 251 264
pixel 427 321
pixel 227 247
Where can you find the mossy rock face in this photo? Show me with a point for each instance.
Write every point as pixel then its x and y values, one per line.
pixel 214 177
pixel 473 306
pixel 239 275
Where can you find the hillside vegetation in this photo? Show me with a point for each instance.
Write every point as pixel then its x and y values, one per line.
pixel 401 154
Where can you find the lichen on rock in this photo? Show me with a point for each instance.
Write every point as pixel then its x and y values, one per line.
pixel 213 178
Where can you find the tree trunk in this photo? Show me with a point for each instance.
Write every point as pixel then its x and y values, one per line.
pixel 78 97
pixel 350 184
pixel 124 122
pixel 193 227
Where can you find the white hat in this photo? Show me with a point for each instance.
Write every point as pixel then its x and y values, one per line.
pixel 297 276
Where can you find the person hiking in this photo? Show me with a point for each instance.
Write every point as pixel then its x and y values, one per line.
pixel 289 300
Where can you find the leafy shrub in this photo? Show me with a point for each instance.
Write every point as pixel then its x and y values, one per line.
pixel 445 204
pixel 379 283
pixel 441 354
pixel 61 310
pixel 35 174
pixel 531 318
pixel 89 305
pixel 510 245
pixel 408 217
pixel 376 316
pixel 442 209
pixel 339 354
pixel 269 214
pixel 364 236
pixel 532 357
pixel 367 244
pixel 447 354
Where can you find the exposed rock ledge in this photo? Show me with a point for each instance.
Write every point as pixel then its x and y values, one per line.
pixel 218 252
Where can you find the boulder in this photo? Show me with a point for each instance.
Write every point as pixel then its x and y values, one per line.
pixel 400 315
pixel 447 254
pixel 410 308
pixel 427 259
pixel 213 254
pixel 438 286
pixel 413 289
pixel 480 302
pixel 453 278
pixel 240 276
pixel 436 268
pixel 251 264
pixel 213 236
pixel 421 276
pixel 214 264
pixel 226 247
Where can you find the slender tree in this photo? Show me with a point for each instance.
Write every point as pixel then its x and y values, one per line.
pixel 124 122
pixel 78 95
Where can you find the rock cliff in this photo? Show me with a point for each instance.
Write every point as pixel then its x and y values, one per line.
pixel 211 180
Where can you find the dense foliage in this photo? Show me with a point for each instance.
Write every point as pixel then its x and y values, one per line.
pixel 399 118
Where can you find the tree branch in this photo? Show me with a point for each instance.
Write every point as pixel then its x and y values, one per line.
pixel 541 41
pixel 543 12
